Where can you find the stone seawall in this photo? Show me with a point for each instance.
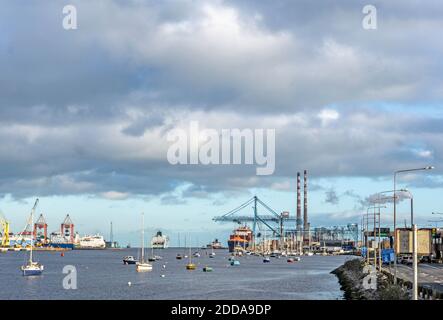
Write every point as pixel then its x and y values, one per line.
pixel 351 277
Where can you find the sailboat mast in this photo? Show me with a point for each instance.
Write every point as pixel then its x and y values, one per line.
pixel 32 234
pixel 143 238
pixel 32 230
pixel 190 258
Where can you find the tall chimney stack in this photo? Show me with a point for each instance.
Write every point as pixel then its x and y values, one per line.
pixel 305 208
pixel 299 220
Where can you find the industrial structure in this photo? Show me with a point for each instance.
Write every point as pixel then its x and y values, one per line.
pixel 40 225
pixel 290 231
pixel 67 228
pixel 4 231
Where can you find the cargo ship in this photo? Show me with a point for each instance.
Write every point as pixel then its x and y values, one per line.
pixel 159 241
pixel 214 245
pixel 241 238
pixel 59 241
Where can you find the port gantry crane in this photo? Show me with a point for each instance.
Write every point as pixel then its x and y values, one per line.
pixel 271 220
pixel 4 231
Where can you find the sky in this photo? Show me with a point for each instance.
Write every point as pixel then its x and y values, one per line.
pixel 85 113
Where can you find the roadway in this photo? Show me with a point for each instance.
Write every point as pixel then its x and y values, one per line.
pixel 429 275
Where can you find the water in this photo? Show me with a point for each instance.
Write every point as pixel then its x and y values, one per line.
pixel 102 275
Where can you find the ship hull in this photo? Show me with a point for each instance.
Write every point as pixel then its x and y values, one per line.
pixel 28 273
pixel 159 246
pixel 88 248
pixel 67 246
pixel 233 244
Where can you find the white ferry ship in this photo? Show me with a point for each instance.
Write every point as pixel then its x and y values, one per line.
pixel 90 242
pixel 159 241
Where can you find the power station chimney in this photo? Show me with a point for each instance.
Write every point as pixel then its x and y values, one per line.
pixel 299 220
pixel 305 208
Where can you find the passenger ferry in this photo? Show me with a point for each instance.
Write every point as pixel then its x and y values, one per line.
pixel 95 242
pixel 159 241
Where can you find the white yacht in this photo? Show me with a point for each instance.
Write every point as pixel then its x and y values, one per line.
pixel 142 265
pixel 32 268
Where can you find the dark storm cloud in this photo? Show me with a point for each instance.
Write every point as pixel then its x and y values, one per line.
pixel 86 111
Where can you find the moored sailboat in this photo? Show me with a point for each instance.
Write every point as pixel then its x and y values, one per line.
pixel 32 268
pixel 190 265
pixel 142 265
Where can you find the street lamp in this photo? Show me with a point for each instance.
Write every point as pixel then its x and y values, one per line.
pixel 395 210
pixel 374 232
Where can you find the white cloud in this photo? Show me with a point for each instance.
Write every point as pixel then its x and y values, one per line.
pixel 328 115
pixel 115 195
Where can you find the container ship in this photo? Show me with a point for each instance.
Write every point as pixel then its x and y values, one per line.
pixel 240 239
pixel 159 241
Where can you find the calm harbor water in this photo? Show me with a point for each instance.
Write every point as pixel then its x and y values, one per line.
pixel 102 275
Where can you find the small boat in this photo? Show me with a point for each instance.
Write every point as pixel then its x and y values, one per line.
pixel 212 255
pixel 158 257
pixel 129 260
pixel 190 265
pixel 266 260
pixel 178 256
pixel 32 268
pixel 290 260
pixel 142 265
pixel 197 254
pixel 231 258
pixel 297 259
pixel 273 255
pixel 235 263
pixel 207 269
pixel 151 258
pixel 309 254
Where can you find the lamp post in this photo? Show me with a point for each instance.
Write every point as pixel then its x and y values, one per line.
pixel 414 263
pixel 395 210
pixel 379 200
pixel 374 232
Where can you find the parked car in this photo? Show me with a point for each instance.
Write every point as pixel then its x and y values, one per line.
pixel 407 260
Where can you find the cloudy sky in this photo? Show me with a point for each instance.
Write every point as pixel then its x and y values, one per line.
pixel 84 113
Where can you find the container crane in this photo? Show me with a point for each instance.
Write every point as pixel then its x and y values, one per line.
pixel 4 225
pixel 271 220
